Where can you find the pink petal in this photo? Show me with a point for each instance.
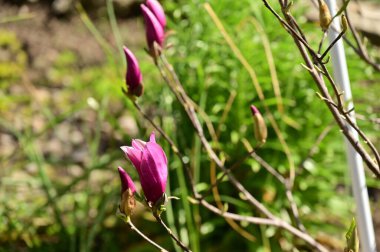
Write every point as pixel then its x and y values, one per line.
pixel 133 155
pixel 138 144
pixel 152 137
pixel 157 10
pixel 154 171
pixel 154 30
pixel 126 181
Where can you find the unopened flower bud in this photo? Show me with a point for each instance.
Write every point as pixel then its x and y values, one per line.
pixel 153 28
pixel 260 128
pixel 157 10
pixel 128 189
pixel 133 77
pixel 324 15
pixel 344 23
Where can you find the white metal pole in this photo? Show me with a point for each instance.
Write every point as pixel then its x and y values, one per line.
pixel 340 72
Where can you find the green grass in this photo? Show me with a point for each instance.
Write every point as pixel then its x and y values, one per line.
pixel 66 199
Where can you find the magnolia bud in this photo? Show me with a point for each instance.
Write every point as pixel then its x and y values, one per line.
pixel 153 29
pixel 133 77
pixel 344 23
pixel 157 10
pixel 128 189
pixel 260 128
pixel 324 15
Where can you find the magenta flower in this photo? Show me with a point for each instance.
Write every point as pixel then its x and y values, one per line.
pixel 156 8
pixel 133 76
pixel 153 28
pixel 128 190
pixel 150 161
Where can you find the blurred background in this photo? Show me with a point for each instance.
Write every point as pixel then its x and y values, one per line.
pixel 63 117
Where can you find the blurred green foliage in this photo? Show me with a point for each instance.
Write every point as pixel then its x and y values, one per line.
pixel 64 198
pixel 14 59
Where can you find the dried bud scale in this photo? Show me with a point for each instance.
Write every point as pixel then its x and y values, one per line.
pixel 324 15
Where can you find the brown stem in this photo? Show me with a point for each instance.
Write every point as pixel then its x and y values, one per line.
pixel 134 228
pixel 178 241
pixel 304 49
pixel 266 221
pixel 282 180
pixel 360 50
pixel 317 142
pixel 182 97
pixel 239 55
pixel 331 45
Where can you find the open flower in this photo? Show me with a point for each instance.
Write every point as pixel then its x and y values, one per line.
pixel 128 190
pixel 153 28
pixel 133 76
pixel 150 161
pixel 158 11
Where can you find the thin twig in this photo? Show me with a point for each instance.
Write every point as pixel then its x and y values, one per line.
pixel 271 64
pixel 226 111
pixel 350 121
pixel 331 45
pixel 361 51
pixel 321 42
pixel 178 241
pixel 265 221
pixel 364 118
pixel 284 181
pixel 182 97
pixel 317 142
pixel 257 86
pixel 134 228
pixel 228 170
pixel 304 50
pixel 218 201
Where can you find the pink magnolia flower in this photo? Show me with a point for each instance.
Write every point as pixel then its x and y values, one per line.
pixel 128 190
pixel 153 28
pixel 150 161
pixel 133 76
pixel 157 10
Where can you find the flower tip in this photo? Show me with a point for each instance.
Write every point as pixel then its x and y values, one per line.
pixel 124 148
pixel 126 181
pixel 126 50
pixel 254 110
pixel 157 10
pixel 260 127
pixel 121 170
pixel 152 137
pixel 153 27
pixel 143 8
pixel 138 144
